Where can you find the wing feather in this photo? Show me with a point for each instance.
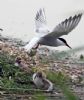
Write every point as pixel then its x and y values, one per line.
pixel 65 27
pixel 32 43
pixel 40 21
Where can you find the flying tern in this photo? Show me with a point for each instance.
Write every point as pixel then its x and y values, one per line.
pixel 51 38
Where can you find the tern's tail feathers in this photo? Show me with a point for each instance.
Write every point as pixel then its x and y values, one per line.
pixel 31 44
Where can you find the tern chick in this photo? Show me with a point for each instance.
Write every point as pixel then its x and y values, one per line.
pixel 41 82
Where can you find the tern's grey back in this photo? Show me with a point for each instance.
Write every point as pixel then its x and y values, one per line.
pixel 51 42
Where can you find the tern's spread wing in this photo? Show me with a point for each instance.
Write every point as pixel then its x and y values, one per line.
pixel 40 21
pixel 41 28
pixel 65 27
pixel 32 43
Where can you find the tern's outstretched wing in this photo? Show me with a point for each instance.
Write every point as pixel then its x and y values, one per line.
pixel 65 27
pixel 41 28
pixel 40 21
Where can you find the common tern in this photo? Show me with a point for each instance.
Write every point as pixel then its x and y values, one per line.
pixel 51 38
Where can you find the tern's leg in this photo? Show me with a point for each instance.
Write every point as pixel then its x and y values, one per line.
pixel 36 46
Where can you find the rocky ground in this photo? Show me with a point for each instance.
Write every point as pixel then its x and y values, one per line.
pixel 14 77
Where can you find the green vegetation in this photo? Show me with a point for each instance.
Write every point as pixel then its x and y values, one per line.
pixel 20 82
pixel 81 57
pixel 60 80
pixel 12 76
pixel 39 96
